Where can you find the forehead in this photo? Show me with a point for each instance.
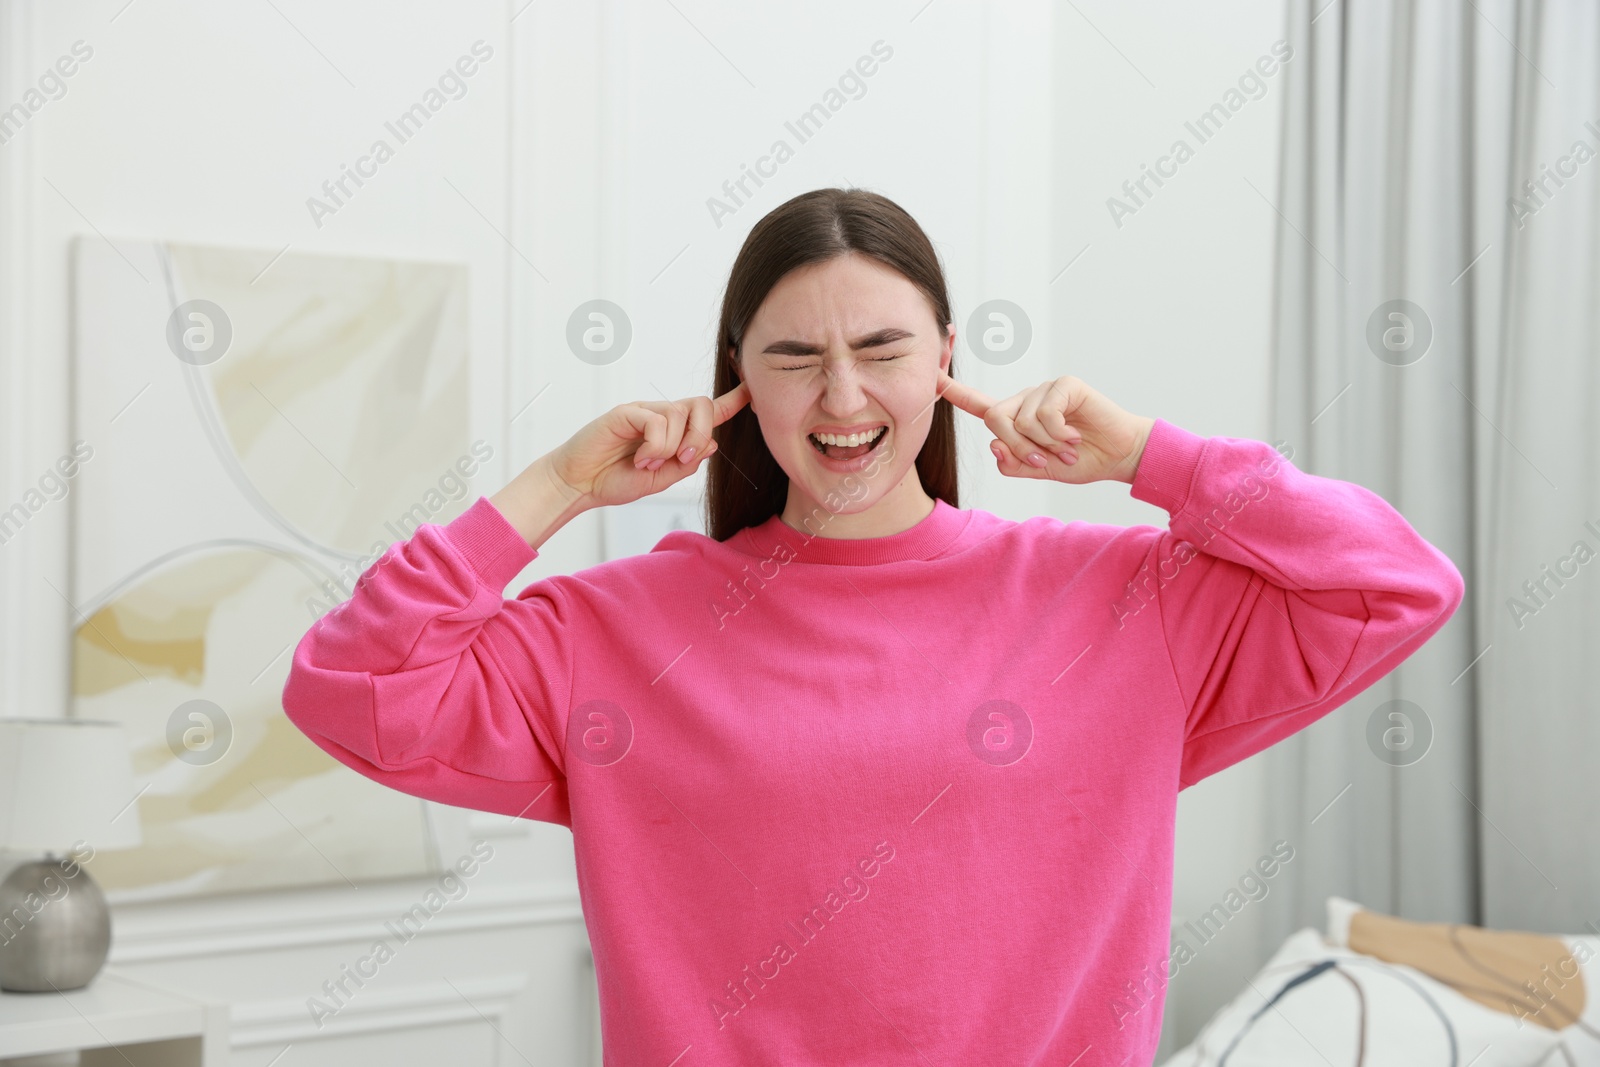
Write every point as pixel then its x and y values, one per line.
pixel 850 294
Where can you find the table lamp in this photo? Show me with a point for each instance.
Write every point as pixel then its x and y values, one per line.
pixel 66 790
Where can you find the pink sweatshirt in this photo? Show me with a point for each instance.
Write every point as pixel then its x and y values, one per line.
pixel 901 800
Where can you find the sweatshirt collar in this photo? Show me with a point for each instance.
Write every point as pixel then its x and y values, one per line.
pixel 925 540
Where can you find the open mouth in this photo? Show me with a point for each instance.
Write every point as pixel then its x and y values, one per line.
pixel 847 446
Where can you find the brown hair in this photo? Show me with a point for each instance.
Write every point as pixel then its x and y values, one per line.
pixel 745 486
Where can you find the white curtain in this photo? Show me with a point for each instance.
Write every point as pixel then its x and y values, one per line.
pixel 1436 342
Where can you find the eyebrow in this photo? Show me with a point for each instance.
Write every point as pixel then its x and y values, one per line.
pixel 877 338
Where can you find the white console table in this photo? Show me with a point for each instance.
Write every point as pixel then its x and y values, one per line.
pixel 115 1020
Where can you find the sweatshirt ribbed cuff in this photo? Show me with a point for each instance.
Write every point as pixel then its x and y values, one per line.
pixel 489 543
pixel 1166 470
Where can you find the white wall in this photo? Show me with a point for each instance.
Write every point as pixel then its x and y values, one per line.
pixel 213 124
pixel 582 157
pixel 1170 314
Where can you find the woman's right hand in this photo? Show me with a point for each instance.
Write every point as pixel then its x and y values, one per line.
pixel 642 447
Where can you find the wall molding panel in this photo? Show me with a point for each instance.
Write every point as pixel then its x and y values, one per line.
pixel 285 1021
pixel 165 933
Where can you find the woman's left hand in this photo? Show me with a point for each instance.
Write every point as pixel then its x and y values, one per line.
pixel 1062 430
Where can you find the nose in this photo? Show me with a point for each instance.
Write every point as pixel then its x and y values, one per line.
pixel 842 392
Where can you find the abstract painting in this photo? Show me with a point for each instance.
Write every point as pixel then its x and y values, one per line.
pixel 258 425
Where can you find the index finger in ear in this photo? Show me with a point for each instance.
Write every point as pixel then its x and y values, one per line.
pixel 697 434
pixel 728 404
pixel 964 397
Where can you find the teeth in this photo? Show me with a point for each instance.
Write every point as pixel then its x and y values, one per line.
pixel 849 440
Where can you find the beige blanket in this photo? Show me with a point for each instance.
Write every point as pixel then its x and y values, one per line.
pixel 1531 976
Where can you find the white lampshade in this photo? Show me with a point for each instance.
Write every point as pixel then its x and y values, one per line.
pixel 63 781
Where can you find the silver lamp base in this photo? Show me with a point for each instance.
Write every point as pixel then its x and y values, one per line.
pixel 55 928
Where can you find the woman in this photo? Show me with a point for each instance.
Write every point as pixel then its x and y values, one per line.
pixel 866 777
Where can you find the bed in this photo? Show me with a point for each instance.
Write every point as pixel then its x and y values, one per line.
pixel 1380 991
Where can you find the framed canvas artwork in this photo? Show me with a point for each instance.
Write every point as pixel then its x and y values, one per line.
pixel 252 429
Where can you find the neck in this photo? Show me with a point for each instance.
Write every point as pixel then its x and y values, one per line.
pixel 899 509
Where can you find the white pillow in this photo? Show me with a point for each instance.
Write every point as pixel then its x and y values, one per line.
pixel 1582 1049
pixel 1315 1023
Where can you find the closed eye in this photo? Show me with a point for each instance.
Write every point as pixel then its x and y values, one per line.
pixel 876 359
